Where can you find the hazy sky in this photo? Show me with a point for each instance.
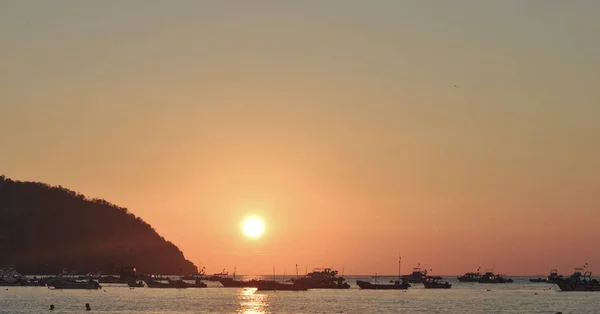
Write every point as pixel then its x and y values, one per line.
pixel 338 122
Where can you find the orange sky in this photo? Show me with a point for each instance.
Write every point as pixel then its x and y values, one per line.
pixel 337 122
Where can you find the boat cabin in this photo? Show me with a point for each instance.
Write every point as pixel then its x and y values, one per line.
pixel 433 279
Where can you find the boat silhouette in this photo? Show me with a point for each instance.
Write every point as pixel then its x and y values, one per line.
pixel 400 284
pixel 434 282
pixel 580 280
pixel 552 278
pixel 470 276
pixel 490 277
pixel 325 278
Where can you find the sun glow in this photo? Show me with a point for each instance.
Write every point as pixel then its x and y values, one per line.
pixel 253 227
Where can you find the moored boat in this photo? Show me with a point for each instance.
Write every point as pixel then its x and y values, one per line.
pixel 126 274
pixel 230 282
pixel 434 282
pixel 321 279
pixel 490 277
pixel 578 281
pixel 397 285
pixel 416 276
pixel 10 277
pixel 552 278
pixel 172 284
pixel 64 283
pixel 470 276
pixel 36 282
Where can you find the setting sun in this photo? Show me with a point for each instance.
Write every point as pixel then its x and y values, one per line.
pixel 253 227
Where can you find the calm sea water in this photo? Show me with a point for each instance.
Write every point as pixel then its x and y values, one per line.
pixel 518 297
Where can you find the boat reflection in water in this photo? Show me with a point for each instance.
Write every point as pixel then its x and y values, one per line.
pixel 251 302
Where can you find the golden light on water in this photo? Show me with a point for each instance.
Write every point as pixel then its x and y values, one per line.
pixel 251 303
pixel 253 227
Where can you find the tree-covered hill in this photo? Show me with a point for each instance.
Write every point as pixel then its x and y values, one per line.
pixel 44 229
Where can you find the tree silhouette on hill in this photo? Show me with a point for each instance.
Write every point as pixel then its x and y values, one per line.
pixel 44 229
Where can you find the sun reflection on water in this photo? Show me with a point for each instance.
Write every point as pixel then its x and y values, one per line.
pixel 251 303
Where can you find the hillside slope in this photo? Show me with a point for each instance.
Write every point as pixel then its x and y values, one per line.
pixel 44 229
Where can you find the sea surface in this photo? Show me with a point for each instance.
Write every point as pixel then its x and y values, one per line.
pixel 518 297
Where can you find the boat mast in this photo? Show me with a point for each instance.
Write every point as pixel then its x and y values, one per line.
pixel 399 263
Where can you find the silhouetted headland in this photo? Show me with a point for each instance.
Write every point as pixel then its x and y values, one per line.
pixel 44 229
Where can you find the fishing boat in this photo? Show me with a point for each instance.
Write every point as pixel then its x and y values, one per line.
pixel 416 276
pixel 490 277
pixel 580 280
pixel 434 282
pixel 35 282
pixel 321 279
pixel 399 284
pixel 126 274
pixel 230 282
pixel 150 277
pixel 65 283
pixel 10 277
pixel 552 278
pixel 470 276
pixel 170 284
